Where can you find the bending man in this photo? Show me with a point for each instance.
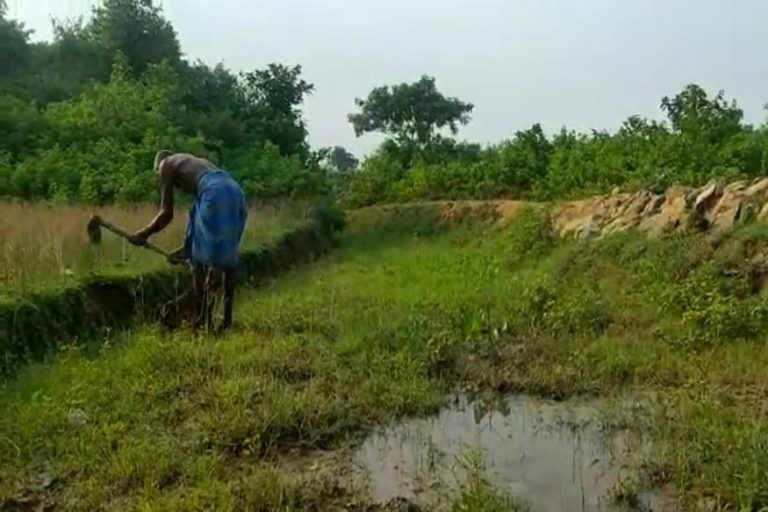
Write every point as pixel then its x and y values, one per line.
pixel 215 228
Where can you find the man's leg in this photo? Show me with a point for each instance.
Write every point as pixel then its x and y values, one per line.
pixel 200 299
pixel 230 280
pixel 213 282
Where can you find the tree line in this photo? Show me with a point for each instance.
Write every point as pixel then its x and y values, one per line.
pixel 82 115
pixel 703 137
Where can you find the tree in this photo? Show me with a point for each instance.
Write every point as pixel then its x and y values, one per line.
pixel 14 46
pixel 274 96
pixel 215 106
pixel 524 160
pixel 702 127
pixel 21 125
pixel 137 29
pixel 62 68
pixel 82 116
pixel 699 118
pixel 341 160
pixel 410 113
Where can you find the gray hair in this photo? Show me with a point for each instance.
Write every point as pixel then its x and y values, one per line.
pixel 160 156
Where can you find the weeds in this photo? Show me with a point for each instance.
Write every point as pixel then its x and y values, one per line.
pixel 476 493
pixel 627 490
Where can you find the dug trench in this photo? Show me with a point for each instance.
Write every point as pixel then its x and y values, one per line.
pixel 286 412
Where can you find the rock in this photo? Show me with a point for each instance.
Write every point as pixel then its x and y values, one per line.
pixel 759 189
pixel 638 203
pixel 671 215
pixel 403 505
pixel 572 217
pixel 653 205
pixel 617 226
pixel 707 504
pixel 738 201
pixel 736 186
pixel 753 199
pixel 718 206
pixel 45 480
pixel 588 230
pixel 77 418
pixel 630 215
pixel 727 210
pixel 393 505
pixel 708 197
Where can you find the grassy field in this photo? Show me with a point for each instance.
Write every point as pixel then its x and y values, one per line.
pixel 388 326
pixel 44 245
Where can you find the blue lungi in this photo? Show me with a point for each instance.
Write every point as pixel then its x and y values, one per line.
pixel 216 222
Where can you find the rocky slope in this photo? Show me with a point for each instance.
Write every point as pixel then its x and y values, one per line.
pixel 716 206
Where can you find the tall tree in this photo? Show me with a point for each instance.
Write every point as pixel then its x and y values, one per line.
pixel 14 45
pixel 693 114
pixel 412 113
pixel 215 105
pixel 703 127
pixel 275 95
pixel 525 159
pixel 138 29
pixel 62 68
pixel 342 160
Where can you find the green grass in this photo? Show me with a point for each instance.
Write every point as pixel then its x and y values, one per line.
pixel 387 326
pixel 476 494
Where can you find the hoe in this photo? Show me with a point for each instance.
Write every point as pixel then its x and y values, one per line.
pixel 171 312
pixel 94 234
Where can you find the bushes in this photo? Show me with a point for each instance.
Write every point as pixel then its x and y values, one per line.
pixel 72 131
pixel 99 148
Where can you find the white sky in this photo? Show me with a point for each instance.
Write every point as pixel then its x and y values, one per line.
pixel 582 64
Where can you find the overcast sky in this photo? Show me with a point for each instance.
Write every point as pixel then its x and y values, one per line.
pixel 575 63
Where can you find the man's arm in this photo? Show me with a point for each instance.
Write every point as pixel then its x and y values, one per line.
pixel 165 215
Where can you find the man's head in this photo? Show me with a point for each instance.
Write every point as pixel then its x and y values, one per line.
pixel 160 156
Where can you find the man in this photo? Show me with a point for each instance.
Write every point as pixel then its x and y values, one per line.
pixel 215 228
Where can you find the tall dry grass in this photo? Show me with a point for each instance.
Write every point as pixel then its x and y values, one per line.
pixel 46 245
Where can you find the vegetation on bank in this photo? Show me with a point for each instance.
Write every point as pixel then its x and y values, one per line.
pixel 405 311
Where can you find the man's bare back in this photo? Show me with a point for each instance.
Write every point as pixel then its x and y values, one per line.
pixel 180 170
pixel 184 170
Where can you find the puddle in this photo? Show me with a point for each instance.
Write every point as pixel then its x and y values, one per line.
pixel 551 456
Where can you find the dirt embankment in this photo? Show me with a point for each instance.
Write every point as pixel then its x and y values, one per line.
pixel 716 206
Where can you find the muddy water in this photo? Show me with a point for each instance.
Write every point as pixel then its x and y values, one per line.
pixel 550 456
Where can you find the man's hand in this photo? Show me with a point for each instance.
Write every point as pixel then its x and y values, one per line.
pixel 177 257
pixel 139 238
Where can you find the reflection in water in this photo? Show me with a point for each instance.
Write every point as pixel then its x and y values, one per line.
pixel 549 455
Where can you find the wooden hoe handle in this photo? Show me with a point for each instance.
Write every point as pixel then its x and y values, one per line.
pixel 118 231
